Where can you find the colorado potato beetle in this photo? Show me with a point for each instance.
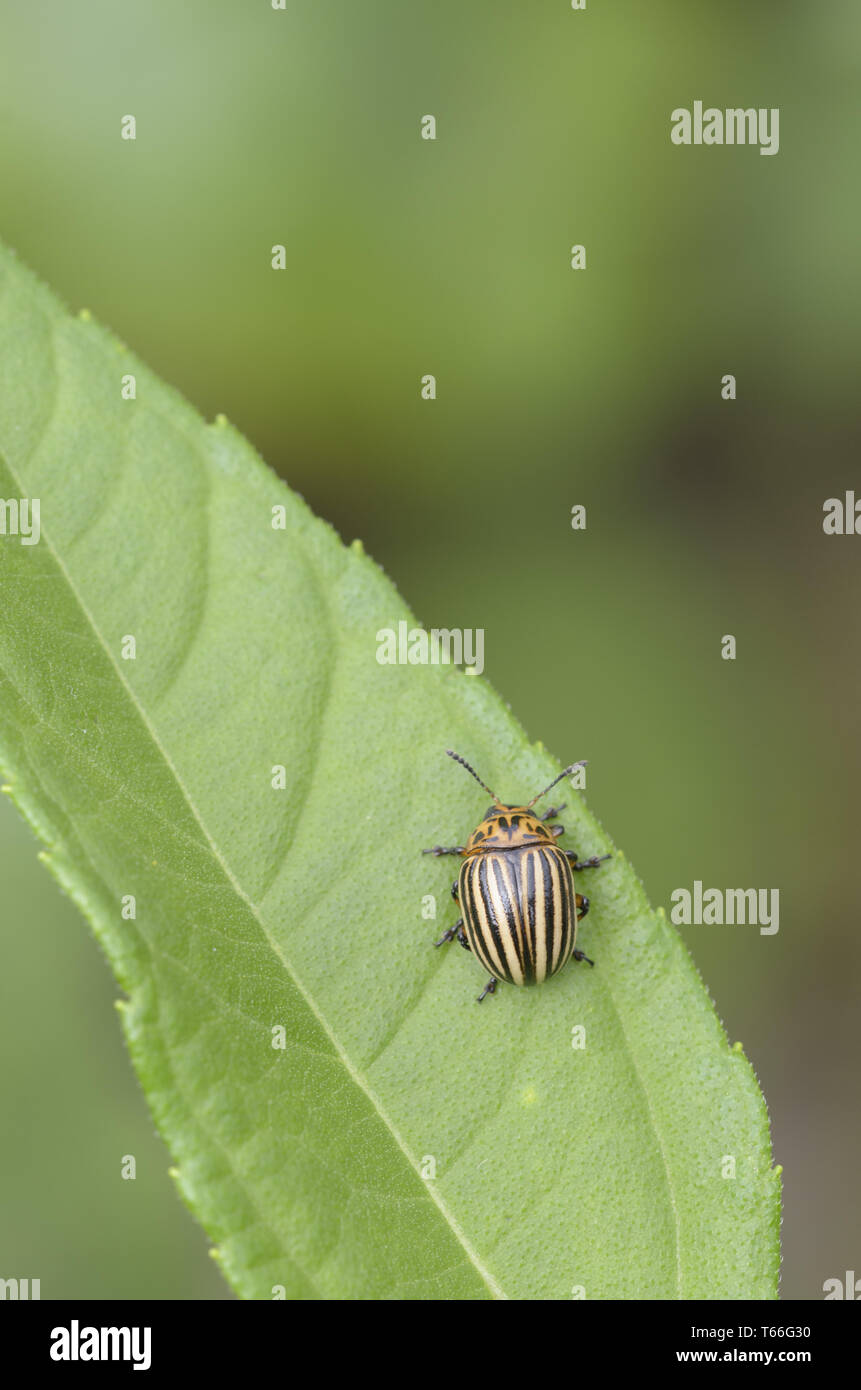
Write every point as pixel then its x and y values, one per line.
pixel 516 891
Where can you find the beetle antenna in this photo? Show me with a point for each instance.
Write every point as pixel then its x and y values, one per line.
pixel 582 763
pixel 464 763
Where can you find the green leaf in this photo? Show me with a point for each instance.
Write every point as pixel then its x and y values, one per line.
pixel 557 1169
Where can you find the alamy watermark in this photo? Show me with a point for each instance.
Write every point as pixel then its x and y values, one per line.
pixel 441 646
pixel 726 906
pixel 734 126
pixel 842 516
pixel 847 1287
pixel 15 1289
pixel 77 1343
pixel 21 516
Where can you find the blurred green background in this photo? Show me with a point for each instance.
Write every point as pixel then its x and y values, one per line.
pixel 555 387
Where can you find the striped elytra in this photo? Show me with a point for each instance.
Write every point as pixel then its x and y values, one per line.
pixel 518 910
pixel 516 892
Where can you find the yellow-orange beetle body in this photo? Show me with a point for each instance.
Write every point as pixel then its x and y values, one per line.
pixel 516 893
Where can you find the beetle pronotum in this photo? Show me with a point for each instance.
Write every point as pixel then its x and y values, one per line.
pixel 516 891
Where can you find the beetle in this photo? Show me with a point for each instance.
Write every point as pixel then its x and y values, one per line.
pixel 516 891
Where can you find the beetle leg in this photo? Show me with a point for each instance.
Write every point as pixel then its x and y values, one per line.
pixel 450 933
pixel 558 830
pixel 571 856
pixel 455 931
pixel 554 811
pixel 582 907
pixel 438 850
pixel 454 892
pixel 489 988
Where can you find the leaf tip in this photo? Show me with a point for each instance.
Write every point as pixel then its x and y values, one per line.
pixel 357 547
pixel 738 1047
